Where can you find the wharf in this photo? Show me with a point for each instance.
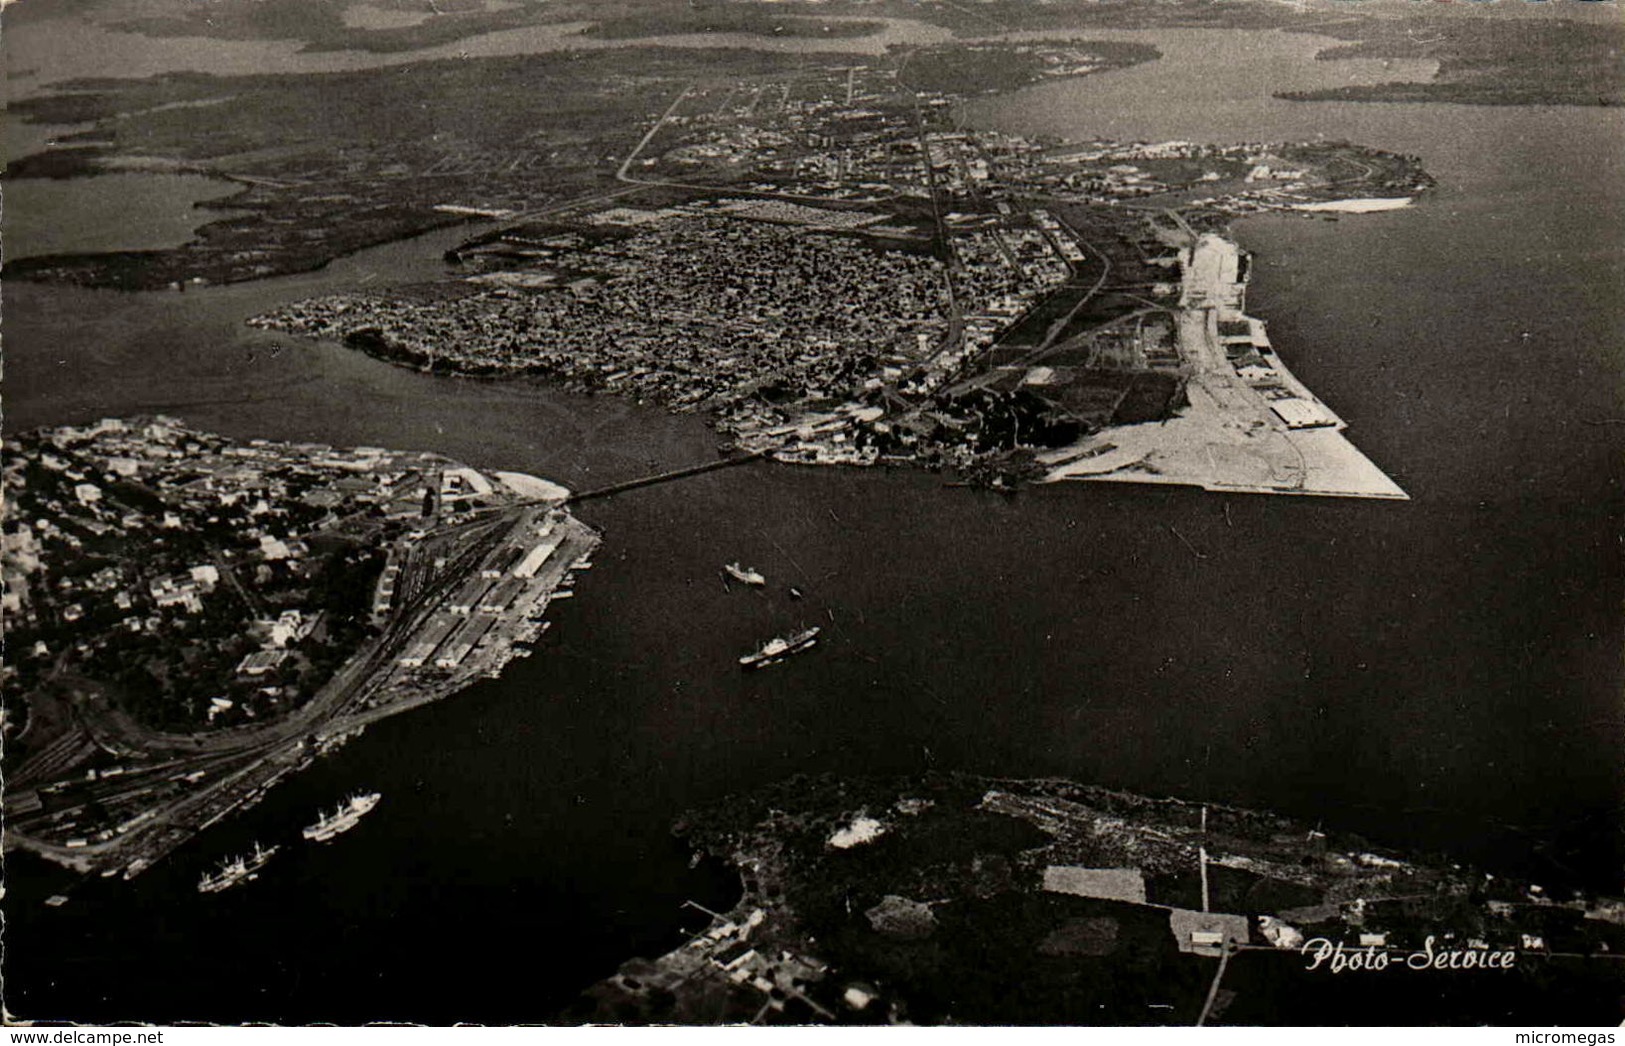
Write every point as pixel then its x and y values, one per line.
pixel 1255 429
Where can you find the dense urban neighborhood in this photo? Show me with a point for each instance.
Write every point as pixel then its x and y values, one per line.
pixel 839 275
pixel 189 618
pixel 918 368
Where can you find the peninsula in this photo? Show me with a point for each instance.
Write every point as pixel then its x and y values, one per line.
pixel 969 900
pixel 191 619
pixel 835 271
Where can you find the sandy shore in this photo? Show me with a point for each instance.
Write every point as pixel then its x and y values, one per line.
pixel 527 486
pixel 1358 206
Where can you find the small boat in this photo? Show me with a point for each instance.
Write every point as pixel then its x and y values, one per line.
pixel 746 574
pixel 780 647
pixel 56 900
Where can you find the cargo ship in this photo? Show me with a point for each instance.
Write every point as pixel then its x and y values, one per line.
pixel 746 574
pixel 342 819
pixel 780 647
pixel 237 870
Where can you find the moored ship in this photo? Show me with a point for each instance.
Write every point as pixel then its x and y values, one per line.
pixel 237 870
pixel 342 819
pixel 748 575
pixel 780 647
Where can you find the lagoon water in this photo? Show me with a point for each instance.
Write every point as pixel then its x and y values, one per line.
pixel 1441 675
pixel 111 212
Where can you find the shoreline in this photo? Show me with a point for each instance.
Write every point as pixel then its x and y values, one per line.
pixel 804 942
pixel 1250 427
pixel 461 592
pixel 1366 205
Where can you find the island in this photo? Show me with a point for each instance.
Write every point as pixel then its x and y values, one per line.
pixel 957 899
pixel 190 619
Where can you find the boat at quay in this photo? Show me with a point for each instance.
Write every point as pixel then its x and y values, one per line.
pixel 343 818
pixel 238 870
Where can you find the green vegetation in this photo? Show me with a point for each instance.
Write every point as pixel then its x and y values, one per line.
pixel 672 18
pixel 175 609
pixel 1004 16
pixel 1484 59
pixel 1487 61
pixel 315 191
pixel 322 26
pixel 941 909
pixel 978 70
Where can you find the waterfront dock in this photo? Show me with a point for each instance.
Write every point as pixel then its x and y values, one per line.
pixel 1250 426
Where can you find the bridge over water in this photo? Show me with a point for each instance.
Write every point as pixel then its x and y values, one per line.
pixel 664 477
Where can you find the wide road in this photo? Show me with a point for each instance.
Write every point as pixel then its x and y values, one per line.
pixel 626 164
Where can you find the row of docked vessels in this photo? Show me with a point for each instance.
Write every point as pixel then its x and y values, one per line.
pixel 246 868
pixel 342 819
pixel 237 870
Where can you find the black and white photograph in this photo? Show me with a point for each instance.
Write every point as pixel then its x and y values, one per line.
pixel 621 513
